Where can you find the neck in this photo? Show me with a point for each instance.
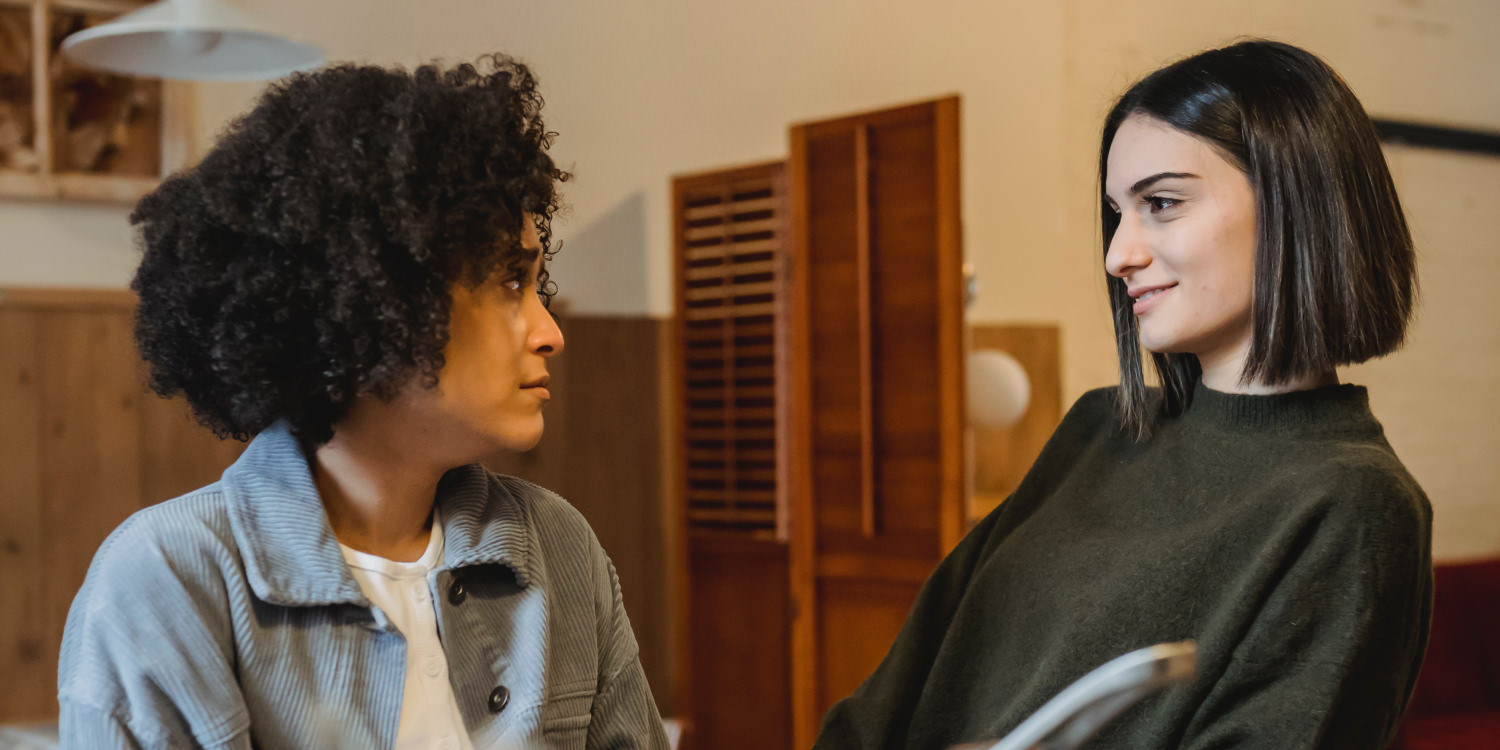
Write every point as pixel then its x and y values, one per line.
pixel 1223 374
pixel 376 489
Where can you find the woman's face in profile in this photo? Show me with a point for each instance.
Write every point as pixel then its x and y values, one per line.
pixel 1185 246
pixel 493 384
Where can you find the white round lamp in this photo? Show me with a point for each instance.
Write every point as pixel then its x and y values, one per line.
pixel 198 40
pixel 998 389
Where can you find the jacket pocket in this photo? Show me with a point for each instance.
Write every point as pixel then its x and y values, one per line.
pixel 567 714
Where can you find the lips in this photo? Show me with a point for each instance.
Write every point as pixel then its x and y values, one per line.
pixel 1143 291
pixel 538 386
pixel 1147 297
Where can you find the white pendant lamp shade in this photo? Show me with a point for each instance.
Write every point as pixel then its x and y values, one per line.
pixel 201 40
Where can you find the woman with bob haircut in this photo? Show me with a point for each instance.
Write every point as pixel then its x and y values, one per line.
pixel 356 276
pixel 1253 242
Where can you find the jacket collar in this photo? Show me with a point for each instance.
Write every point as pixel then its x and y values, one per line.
pixel 291 555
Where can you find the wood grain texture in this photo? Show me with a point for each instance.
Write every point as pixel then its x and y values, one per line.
pixel 82 446
pixel 798 475
pixel 858 620
pixel 741 610
pixel 64 299
pixel 878 358
pixel 177 454
pixel 24 590
pixel 89 449
pixel 1003 456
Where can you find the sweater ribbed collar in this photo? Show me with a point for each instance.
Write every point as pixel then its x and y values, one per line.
pixel 1333 408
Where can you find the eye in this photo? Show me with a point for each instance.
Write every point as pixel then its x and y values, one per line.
pixel 1159 203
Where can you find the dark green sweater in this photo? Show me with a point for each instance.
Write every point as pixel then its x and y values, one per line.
pixel 1280 532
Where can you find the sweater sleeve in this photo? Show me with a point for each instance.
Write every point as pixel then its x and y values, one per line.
pixel 878 713
pixel 1331 658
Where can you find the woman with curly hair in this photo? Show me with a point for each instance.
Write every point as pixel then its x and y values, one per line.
pixel 1253 242
pixel 355 276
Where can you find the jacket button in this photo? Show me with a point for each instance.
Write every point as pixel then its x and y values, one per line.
pixel 499 699
pixel 457 594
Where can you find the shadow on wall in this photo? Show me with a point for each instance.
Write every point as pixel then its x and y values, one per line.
pixel 602 267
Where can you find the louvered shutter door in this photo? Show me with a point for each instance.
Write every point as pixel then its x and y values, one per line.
pixel 730 276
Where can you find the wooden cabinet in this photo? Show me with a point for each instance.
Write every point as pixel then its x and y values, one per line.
pixel 73 133
pixel 819 340
pixel 730 354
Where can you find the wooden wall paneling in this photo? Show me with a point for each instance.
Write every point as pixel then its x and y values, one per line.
pixel 24 588
pixel 178 455
pixel 613 441
pixel 90 450
pixel 674 623
pixel 741 643
pixel 77 440
pixel 1003 456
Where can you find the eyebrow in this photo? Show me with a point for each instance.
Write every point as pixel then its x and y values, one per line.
pixel 1145 184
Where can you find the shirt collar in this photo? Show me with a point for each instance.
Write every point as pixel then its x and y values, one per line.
pixel 291 555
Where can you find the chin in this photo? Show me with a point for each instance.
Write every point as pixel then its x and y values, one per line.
pixel 1158 343
pixel 517 441
pixel 1154 345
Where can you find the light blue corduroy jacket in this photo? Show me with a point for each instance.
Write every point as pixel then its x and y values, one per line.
pixel 227 618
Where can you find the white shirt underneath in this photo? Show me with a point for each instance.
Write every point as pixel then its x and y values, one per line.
pixel 429 712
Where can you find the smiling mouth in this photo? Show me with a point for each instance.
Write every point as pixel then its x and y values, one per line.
pixel 1141 296
pixel 1142 301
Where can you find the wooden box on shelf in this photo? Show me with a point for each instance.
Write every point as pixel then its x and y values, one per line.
pixel 69 132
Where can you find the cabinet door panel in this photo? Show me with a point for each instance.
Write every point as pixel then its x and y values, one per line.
pixel 877 372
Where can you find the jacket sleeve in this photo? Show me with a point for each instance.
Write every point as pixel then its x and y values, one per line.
pixel 1330 661
pixel 86 726
pixel 624 714
pixel 144 662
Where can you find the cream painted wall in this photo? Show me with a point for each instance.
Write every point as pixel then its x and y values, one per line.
pixel 44 244
pixel 1440 396
pixel 640 91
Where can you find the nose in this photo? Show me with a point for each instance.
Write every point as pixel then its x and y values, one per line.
pixel 545 337
pixel 1127 252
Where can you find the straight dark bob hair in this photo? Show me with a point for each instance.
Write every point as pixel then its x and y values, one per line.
pixel 1335 271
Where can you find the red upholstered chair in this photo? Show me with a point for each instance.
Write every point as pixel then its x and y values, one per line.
pixel 1457 701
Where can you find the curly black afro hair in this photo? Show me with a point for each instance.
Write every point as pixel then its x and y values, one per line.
pixel 308 258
